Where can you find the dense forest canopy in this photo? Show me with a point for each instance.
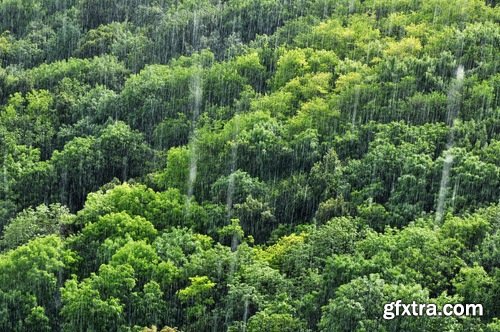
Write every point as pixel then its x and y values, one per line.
pixel 248 165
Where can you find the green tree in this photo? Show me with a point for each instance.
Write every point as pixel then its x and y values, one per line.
pixel 31 223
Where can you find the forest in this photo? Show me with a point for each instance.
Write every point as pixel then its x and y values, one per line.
pixel 248 165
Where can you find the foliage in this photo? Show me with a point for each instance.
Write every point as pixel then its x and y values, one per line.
pixel 248 165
